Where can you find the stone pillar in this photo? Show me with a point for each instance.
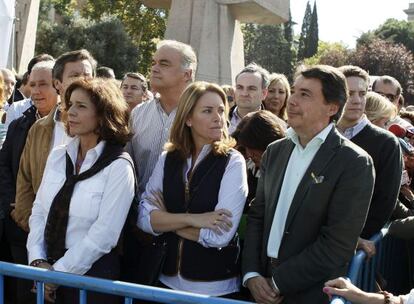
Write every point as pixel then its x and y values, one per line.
pixel 212 28
pixel 410 12
pixel 27 12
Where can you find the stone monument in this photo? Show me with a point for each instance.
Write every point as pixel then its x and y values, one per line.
pixel 212 28
pixel 410 12
pixel 27 12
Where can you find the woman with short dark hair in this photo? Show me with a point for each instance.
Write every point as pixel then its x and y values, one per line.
pixel 86 191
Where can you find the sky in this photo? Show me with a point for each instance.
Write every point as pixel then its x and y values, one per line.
pixel 345 20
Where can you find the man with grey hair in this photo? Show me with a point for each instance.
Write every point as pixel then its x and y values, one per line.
pixel 9 82
pixel 173 68
pixel 251 90
pixel 44 97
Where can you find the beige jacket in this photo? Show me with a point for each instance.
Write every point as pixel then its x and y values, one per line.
pixel 32 165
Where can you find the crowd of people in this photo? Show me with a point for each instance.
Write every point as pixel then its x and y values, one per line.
pixel 259 191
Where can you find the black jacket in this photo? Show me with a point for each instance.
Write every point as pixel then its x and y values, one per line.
pixel 10 157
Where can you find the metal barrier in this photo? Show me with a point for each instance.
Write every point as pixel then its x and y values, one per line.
pixel 361 271
pixel 84 283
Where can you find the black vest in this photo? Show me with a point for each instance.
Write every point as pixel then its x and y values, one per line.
pixel 189 258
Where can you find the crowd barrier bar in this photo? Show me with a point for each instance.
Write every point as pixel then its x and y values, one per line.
pixel 361 271
pixel 129 291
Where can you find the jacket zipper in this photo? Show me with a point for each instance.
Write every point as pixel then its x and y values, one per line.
pixel 187 199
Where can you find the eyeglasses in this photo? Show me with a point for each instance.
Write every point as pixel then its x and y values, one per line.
pixel 390 97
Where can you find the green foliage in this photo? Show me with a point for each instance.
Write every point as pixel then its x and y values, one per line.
pixel 266 45
pixel 106 40
pixel 304 32
pixel 334 54
pixel 312 38
pixel 288 29
pixel 309 36
pixel 144 25
pixel 381 57
pixel 395 31
pixel 140 27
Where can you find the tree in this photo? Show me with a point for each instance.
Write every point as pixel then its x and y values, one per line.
pixel 395 31
pixel 267 46
pixel 334 54
pixel 304 32
pixel 288 29
pixel 144 26
pixel 106 40
pixel 384 58
pixel 312 37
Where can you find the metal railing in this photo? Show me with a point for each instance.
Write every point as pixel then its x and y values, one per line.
pixel 362 271
pixel 129 291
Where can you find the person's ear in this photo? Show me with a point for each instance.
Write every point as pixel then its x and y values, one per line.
pixel 57 84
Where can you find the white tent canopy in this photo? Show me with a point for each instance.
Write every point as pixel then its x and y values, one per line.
pixel 7 11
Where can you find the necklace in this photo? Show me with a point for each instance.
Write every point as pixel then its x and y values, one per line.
pixel 79 161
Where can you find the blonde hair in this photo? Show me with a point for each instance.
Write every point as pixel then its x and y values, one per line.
pixel 378 107
pixel 280 78
pixel 181 139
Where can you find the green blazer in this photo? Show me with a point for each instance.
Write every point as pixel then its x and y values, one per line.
pixel 324 221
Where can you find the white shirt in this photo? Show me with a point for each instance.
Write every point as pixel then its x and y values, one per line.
pixel 151 127
pixel 16 110
pixel 59 136
pixel 232 196
pixel 234 121
pixel 353 131
pixel 409 298
pixel 97 212
pixel 299 162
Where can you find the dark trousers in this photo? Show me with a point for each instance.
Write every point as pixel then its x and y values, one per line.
pixel 17 238
pixel 107 267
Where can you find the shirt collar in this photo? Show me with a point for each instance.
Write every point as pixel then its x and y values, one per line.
pixel 160 108
pixel 354 130
pixel 318 139
pixel 57 115
pixel 236 114
pixel 93 154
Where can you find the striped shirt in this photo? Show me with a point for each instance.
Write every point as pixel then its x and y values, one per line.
pixel 151 127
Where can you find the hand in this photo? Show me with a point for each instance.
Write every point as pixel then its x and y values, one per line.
pixel 217 221
pixel 50 289
pixel 367 246
pixel 406 191
pixel 262 291
pixel 50 292
pixel 344 288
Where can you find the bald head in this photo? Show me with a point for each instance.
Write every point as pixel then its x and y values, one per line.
pixel 9 82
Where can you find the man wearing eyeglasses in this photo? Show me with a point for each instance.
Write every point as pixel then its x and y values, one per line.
pixel 390 88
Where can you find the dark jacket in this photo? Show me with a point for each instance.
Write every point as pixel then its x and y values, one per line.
pixel 324 221
pixel 385 151
pixel 10 157
pixel 184 256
